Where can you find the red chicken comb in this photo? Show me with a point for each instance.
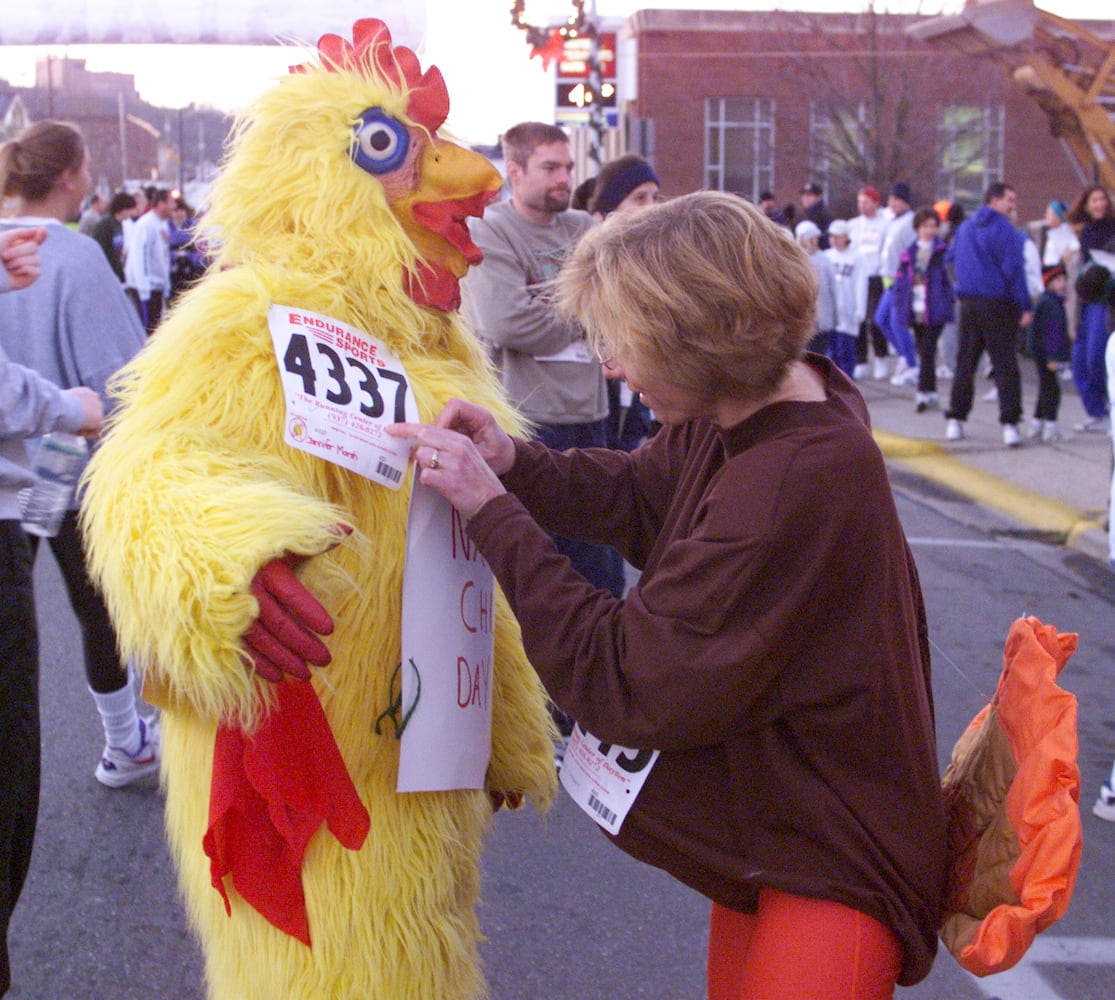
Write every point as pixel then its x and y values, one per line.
pixel 370 54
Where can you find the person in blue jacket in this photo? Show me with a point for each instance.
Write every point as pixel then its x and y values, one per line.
pixel 990 278
pixel 923 299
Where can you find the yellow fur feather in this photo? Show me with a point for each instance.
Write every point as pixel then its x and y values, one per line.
pixel 193 490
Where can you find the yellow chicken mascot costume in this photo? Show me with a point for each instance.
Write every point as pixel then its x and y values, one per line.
pixel 306 872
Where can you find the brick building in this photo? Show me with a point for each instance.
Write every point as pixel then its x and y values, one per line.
pixel 749 101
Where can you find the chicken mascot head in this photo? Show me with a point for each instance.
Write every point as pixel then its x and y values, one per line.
pixel 318 856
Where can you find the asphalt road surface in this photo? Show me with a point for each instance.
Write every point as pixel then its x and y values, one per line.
pixel 565 913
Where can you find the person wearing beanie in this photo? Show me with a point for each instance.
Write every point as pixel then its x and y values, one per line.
pixel 1048 345
pixel 900 234
pixel 868 231
pixel 1059 240
pixel 626 183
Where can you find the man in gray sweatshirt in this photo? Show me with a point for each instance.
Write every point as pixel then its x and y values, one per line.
pixel 544 362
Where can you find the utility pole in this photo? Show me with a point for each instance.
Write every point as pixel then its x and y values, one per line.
pixel 596 118
pixel 123 139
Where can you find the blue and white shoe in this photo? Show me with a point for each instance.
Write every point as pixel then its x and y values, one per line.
pixel 1105 804
pixel 117 768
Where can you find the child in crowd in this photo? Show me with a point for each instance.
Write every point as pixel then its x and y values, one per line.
pixel 850 287
pixel 808 236
pixel 1048 344
pixel 923 300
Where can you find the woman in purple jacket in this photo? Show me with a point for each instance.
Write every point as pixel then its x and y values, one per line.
pixel 923 299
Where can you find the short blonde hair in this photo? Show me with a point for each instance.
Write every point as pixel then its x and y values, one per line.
pixel 704 289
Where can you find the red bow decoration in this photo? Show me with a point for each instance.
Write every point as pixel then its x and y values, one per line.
pixel 553 49
pixel 270 793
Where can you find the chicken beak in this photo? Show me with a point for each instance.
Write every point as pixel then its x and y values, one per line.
pixel 453 184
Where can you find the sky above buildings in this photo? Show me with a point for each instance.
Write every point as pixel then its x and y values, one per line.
pixel 485 60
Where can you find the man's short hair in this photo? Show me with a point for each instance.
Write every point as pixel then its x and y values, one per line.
pixel 158 197
pixel 704 289
pixel 519 141
pixel 121 201
pixel 996 191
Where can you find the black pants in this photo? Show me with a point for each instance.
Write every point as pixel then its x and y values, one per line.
pixel 868 329
pixel 991 325
pixel 151 311
pixel 1049 392
pixel 19 725
pixel 103 667
pixel 925 340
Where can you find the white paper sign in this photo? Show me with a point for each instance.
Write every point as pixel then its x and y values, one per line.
pixel 342 388
pixel 604 779
pixel 448 644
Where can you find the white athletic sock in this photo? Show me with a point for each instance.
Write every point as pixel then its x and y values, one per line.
pixel 120 719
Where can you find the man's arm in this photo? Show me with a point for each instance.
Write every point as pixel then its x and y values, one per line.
pixel 505 300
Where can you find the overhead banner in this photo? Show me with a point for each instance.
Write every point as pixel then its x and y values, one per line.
pixel 202 22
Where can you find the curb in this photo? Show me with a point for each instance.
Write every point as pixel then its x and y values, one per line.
pixel 933 462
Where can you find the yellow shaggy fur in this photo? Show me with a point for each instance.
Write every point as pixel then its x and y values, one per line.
pixel 193 490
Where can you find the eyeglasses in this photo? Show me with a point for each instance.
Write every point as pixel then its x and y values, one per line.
pixel 607 361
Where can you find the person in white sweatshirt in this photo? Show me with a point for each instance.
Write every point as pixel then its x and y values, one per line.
pixel 850 288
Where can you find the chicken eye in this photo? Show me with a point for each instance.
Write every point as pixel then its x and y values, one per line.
pixel 379 142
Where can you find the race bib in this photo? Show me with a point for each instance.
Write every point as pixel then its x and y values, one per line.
pixel 604 779
pixel 342 388
pixel 577 352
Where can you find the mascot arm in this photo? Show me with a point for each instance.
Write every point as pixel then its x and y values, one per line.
pixel 522 759
pixel 177 529
pixel 282 640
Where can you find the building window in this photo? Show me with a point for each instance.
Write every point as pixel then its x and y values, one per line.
pixel 837 159
pixel 970 138
pixel 739 145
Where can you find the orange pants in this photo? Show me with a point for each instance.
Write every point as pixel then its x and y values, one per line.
pixel 795 948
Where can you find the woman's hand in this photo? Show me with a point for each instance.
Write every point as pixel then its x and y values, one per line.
pixel 492 442
pixel 461 455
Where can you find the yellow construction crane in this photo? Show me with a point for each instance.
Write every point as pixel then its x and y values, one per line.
pixel 1067 69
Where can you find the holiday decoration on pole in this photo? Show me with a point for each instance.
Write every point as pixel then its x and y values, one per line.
pixel 548 44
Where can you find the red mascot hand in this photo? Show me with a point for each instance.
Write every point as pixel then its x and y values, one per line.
pixel 282 639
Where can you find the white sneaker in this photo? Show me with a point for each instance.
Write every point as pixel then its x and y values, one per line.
pixel 991 395
pixel 1093 425
pixel 861 372
pixel 924 400
pixel 1011 437
pixel 906 376
pixel 117 768
pixel 1105 804
pixel 880 370
pixel 1051 435
pixel 954 430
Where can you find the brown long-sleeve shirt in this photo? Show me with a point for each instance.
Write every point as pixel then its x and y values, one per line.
pixel 775 650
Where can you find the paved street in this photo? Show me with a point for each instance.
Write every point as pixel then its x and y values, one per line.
pixel 565 913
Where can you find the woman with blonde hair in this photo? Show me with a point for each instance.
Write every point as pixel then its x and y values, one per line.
pixel 75 327
pixel 774 650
